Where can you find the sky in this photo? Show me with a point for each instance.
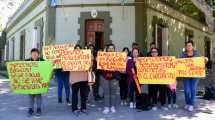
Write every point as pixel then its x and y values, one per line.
pixel 7 9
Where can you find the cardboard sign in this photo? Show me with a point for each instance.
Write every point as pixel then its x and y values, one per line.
pixel 112 61
pixel 190 67
pixel 51 53
pixel 29 77
pixel 156 70
pixel 76 60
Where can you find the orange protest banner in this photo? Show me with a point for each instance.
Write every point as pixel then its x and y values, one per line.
pixel 76 60
pixel 156 70
pixel 112 61
pixel 190 67
pixel 51 53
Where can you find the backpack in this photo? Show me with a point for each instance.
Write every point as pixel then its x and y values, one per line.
pixel 143 102
pixel 209 93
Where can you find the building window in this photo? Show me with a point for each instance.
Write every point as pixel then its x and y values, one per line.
pixel 208 52
pixel 160 36
pixel 189 35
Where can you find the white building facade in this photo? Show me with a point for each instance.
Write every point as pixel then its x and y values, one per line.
pixel 99 22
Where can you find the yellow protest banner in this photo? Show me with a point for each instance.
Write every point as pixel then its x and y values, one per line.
pixel 76 60
pixel 51 53
pixel 190 67
pixel 112 61
pixel 156 70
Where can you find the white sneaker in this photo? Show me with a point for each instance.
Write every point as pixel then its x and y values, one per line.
pixel 125 103
pixel 175 106
pixel 113 110
pixel 122 103
pixel 154 108
pixel 169 106
pixel 186 107
pixel 165 108
pixel 106 110
pixel 190 108
pixel 134 105
pixel 131 105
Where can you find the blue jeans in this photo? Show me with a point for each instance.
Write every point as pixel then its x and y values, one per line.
pixel 63 81
pixel 190 88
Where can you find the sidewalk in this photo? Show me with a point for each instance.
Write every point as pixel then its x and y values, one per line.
pixel 13 106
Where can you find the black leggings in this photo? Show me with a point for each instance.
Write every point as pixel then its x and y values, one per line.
pixel 158 92
pixel 123 84
pixel 83 87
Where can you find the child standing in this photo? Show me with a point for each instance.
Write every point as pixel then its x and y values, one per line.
pixel 35 97
pixel 171 93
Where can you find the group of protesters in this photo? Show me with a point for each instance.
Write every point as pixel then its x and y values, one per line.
pixel 154 96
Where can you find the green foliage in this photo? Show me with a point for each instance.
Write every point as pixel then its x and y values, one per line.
pixel 189 8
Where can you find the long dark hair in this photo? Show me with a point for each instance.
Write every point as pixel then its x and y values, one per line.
pixel 135 48
pixel 125 48
pixel 77 45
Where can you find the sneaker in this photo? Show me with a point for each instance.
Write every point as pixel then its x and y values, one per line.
pixel 125 103
pixel 190 108
pixel 113 110
pixel 122 103
pixel 68 102
pixel 134 105
pixel 59 100
pixel 165 108
pixel 154 108
pixel 76 112
pixel 106 110
pixel 30 112
pixel 131 105
pixel 175 106
pixel 186 107
pixel 84 111
pixel 169 106
pixel 39 112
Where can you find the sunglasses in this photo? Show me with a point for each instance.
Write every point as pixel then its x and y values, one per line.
pixel 154 52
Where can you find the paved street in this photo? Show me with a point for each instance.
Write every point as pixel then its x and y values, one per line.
pixel 13 106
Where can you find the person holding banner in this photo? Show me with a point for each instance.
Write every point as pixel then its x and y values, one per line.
pixel 123 84
pixel 63 81
pixel 131 70
pixel 138 99
pixel 156 91
pixel 79 82
pixel 109 85
pixel 152 45
pixel 190 84
pixel 95 86
pixel 35 97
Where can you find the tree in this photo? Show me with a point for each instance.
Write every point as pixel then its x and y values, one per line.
pixel 207 8
pixel 1 27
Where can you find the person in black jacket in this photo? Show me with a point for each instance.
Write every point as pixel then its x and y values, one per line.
pixel 35 97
